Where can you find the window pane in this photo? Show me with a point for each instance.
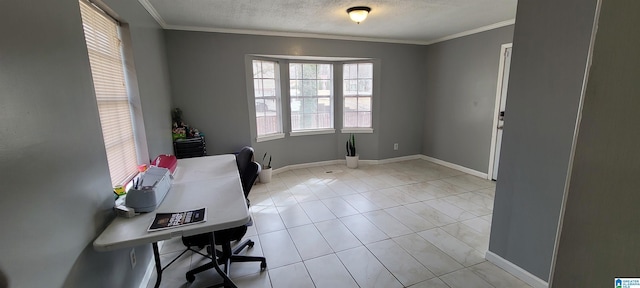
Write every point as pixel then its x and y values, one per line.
pixel 364 104
pixel 357 81
pixel 350 87
pixel 364 87
pixel 311 98
pixel 324 105
pixel 260 107
pixel 268 69
pixel 324 87
pixel 351 72
pixel 295 87
pixel 309 87
pixel 365 70
pixel 295 71
pixel 310 105
pixel 267 97
pixel 324 71
pixel 350 119
pixel 104 49
pixel 257 87
pixel 350 104
pixel 269 87
pixel 309 71
pixel 364 119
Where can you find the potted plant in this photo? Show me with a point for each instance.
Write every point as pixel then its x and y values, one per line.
pixel 352 157
pixel 265 173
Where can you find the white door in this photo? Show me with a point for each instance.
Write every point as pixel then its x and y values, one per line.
pixel 506 62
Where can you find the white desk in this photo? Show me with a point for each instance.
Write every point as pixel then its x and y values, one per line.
pixel 212 182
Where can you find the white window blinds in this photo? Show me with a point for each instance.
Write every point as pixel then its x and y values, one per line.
pixel 107 69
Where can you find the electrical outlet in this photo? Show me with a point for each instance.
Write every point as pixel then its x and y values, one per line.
pixel 132 257
pixel 395 146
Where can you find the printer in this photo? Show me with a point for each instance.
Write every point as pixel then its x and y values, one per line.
pixel 153 187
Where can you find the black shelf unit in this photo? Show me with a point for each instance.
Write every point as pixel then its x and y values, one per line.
pixel 190 147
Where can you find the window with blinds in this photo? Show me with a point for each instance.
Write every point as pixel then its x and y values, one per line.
pixel 107 68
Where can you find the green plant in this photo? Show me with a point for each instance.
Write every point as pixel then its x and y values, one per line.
pixel 351 145
pixel 268 165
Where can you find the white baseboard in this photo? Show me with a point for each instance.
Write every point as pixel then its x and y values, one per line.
pixel 343 162
pixel 456 166
pixel 516 271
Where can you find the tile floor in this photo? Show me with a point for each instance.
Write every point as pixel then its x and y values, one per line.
pixel 405 224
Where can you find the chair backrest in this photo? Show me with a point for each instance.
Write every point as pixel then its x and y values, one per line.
pixel 244 157
pixel 249 176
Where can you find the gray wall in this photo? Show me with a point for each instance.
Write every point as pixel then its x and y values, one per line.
pixel 461 81
pixel 208 81
pixel 599 238
pixel 550 46
pixel 56 191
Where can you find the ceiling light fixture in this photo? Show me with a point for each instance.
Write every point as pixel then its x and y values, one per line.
pixel 358 13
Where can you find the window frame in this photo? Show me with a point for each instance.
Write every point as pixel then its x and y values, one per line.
pixel 129 81
pixel 277 97
pixel 313 131
pixel 371 97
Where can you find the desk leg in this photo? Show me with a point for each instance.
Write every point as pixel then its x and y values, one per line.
pixel 227 281
pixel 156 257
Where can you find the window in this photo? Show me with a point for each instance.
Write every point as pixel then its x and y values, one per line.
pixel 311 96
pixel 107 68
pixel 267 98
pixel 357 93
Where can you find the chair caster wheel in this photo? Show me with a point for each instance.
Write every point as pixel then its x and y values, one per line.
pixel 190 277
pixel 263 265
pixel 250 244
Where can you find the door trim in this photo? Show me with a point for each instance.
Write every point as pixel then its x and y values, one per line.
pixel 496 109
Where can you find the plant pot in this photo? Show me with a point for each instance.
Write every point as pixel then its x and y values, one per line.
pixel 265 175
pixel 352 161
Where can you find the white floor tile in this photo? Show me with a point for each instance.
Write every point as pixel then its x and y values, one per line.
pixel 454 212
pixel 379 199
pixel 361 203
pixel 404 267
pixel 366 269
pixel 309 242
pixel 328 271
pixel 465 278
pixel 293 215
pixel 316 211
pixel 495 276
pixel 363 229
pixel 455 248
pixel 410 219
pixel 339 207
pixel 471 237
pixel 430 256
pixel 431 283
pixel 266 219
pixel 430 214
pixel 337 235
pixel 294 275
pixel 279 249
pixel 387 223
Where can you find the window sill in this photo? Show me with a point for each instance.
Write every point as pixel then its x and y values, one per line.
pixel 270 137
pixel 357 130
pixel 312 132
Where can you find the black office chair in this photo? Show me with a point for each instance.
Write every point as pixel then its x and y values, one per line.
pixel 225 237
pixel 244 157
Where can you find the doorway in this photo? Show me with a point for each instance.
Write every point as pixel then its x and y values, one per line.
pixel 499 112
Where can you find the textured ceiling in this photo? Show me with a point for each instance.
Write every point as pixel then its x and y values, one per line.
pixel 400 21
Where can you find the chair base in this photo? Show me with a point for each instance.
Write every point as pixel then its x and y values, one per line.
pixel 228 256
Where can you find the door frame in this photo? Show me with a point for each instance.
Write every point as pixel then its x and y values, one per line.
pixel 496 109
